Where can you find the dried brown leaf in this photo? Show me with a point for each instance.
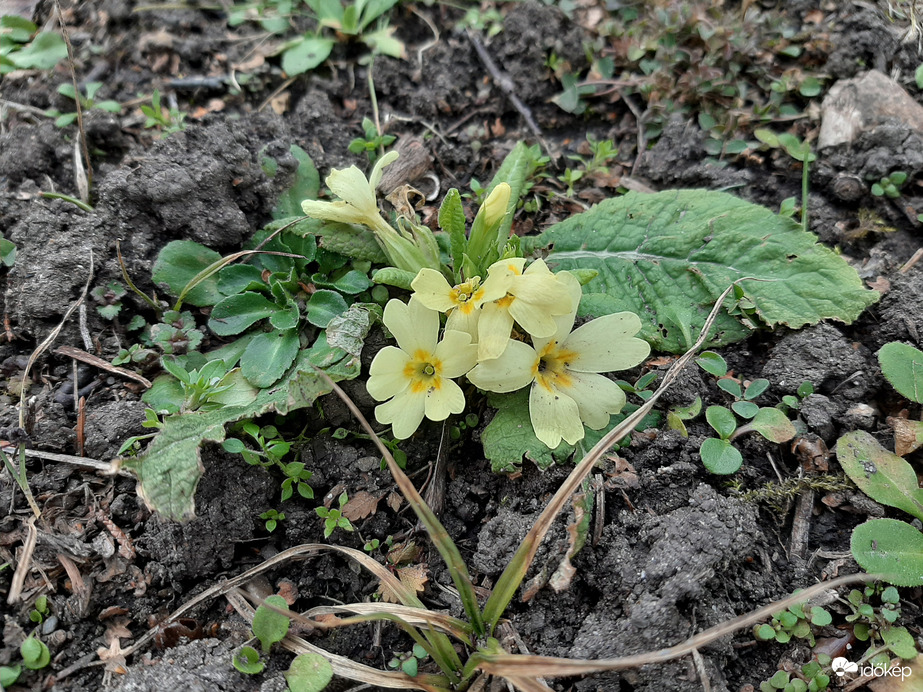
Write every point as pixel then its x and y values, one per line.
pixel 412 576
pixel 394 501
pixel 360 505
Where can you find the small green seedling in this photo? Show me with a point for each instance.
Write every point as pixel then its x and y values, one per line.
pixel 247 661
pixel 797 622
pixel 333 518
pixel 676 417
pixel 109 298
pixel 167 120
pixel 792 402
pixel 9 675
pixel 813 677
pixel 272 518
pixel 40 612
pixel 176 333
pixel 35 654
pixel 137 354
pixel 409 662
pixel 87 103
pixel 372 142
pixel 199 386
pixel 890 185
pixel 718 454
pixel 270 626
pixel 272 449
pixel 23 47
pixel 875 624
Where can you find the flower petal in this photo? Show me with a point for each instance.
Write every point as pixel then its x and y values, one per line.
pixel 607 343
pixel 554 416
pixel 443 400
pixel 597 397
pixel 386 374
pixel 493 288
pixel 404 412
pixel 512 370
pixel 351 186
pixel 377 169
pixel 414 326
pixel 494 327
pixel 432 289
pixel 464 322
pixel 457 353
pixel 332 211
pixel 534 318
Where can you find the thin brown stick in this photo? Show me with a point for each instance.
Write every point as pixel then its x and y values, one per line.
pixel 84 147
pixel 25 562
pixel 98 362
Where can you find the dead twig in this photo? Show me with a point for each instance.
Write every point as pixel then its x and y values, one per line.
pixel 98 362
pixel 507 86
pixel 25 562
pixel 85 462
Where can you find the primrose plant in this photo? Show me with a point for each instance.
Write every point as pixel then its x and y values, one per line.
pixel 484 320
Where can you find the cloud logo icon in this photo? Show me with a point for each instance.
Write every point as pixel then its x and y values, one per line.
pixel 841 666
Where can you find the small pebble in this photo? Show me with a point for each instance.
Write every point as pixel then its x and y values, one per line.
pixel 50 624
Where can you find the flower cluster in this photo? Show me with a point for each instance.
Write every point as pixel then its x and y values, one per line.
pixel 561 366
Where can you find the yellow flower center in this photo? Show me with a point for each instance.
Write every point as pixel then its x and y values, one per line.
pixel 424 371
pixel 467 295
pixel 550 368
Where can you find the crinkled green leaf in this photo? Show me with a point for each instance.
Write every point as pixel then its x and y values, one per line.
pixel 509 436
pixel 880 474
pixel 343 238
pixel 392 276
pixel 674 252
pixel 238 312
pixel 268 356
pixel 516 170
pixel 452 221
pixel 169 469
pixel 179 262
pixel 902 366
pixel 305 186
pixel 308 673
pixel 892 547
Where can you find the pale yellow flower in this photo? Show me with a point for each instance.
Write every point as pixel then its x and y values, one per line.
pixel 566 391
pixel 416 375
pixel 358 203
pixel 462 302
pixel 533 299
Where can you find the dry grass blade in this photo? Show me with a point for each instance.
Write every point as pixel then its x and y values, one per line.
pixel 345 667
pixel 25 562
pixel 512 665
pixel 512 576
pixel 527 684
pixel 413 616
pixel 98 362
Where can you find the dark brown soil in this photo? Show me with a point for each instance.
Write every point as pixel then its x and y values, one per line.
pixel 678 551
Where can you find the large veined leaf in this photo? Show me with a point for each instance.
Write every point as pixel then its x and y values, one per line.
pixel 170 468
pixel 668 256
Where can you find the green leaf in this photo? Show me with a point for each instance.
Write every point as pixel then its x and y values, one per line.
pixel 392 276
pixel 810 87
pixel 899 641
pixel 720 456
pixel 745 409
pixel 323 306
pixel 891 547
pixel 452 221
pixel 509 435
pixel 247 661
pixel 179 262
pixel 732 387
pixel 712 363
pixel 772 424
pixel 165 394
pixel 7 252
pixel 351 283
pixel 306 54
pixel 236 313
pixel 45 51
pixel 268 625
pixel 902 366
pixel 308 673
pixel 880 474
pixel 721 420
pixel 268 356
pixel 516 170
pixel 305 186
pixel 820 617
pixel 286 318
pixel 35 654
pixel 684 248
pixel 9 675
pixel 169 469
pixel 756 388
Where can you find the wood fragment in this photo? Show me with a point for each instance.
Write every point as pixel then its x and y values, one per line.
pixel 25 562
